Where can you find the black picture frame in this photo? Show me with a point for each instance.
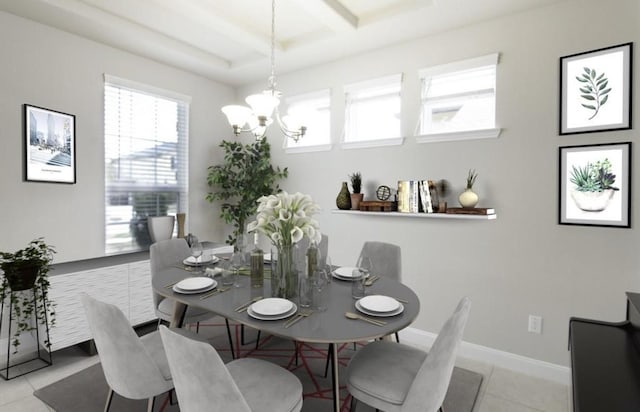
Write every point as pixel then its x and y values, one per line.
pixel 49 145
pixel 595 90
pixel 595 185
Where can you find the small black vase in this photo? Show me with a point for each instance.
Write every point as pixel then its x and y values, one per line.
pixel 343 201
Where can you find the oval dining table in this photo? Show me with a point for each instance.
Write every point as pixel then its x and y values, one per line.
pixel 330 326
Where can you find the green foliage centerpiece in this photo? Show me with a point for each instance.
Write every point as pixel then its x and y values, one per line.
pixel 285 219
pixel 244 177
pixel 24 270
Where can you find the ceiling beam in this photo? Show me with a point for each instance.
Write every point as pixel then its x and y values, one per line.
pixel 331 13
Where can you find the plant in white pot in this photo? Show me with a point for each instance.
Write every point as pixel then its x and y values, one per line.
pixel 593 186
pixel 24 270
pixel 357 195
pixel 469 198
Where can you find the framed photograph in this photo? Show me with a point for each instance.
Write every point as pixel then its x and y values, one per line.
pixel 49 142
pixel 595 185
pixel 595 90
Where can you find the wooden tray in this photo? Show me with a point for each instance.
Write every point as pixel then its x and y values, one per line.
pixel 377 206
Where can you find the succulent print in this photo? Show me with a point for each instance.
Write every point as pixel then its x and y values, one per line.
pixel 594 90
pixel 594 177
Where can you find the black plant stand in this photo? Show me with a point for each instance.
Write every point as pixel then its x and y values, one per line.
pixel 37 362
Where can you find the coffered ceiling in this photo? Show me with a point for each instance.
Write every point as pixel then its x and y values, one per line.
pixel 230 40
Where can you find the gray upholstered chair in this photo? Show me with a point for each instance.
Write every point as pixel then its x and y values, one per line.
pixel 204 383
pixel 164 254
pixel 386 259
pixel 134 367
pixel 398 378
pixel 160 227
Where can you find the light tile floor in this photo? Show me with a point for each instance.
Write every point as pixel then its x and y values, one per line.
pixel 501 391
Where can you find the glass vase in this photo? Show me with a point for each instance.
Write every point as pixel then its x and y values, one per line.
pixel 284 271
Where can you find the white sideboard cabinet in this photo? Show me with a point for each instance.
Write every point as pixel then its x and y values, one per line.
pixel 126 285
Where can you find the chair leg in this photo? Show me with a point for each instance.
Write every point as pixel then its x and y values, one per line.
pixel 151 404
pixel 197 327
pixel 352 405
pixel 397 337
pixel 257 340
pixel 329 356
pixel 233 356
pixel 109 398
pixel 441 409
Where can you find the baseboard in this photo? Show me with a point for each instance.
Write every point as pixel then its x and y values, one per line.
pixel 507 360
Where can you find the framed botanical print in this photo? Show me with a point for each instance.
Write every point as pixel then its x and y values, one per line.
pixel 595 185
pixel 595 90
pixel 49 145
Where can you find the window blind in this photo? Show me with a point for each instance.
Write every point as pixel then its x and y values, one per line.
pixel 146 160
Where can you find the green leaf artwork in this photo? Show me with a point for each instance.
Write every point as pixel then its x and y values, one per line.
pixel 593 89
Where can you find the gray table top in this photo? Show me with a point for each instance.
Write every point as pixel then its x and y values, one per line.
pixel 330 326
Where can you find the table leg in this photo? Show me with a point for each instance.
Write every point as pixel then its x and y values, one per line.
pixel 334 377
pixel 179 310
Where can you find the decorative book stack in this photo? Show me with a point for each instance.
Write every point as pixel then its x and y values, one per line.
pixel 415 196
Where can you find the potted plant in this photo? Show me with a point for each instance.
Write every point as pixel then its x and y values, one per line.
pixel 594 185
pixel 27 269
pixel 356 186
pixel 469 198
pixel 245 176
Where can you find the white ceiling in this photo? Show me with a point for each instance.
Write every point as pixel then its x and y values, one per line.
pixel 230 40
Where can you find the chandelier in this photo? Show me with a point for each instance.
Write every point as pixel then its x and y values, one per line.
pixel 264 105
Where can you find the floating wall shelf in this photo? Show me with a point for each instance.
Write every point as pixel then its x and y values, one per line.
pixel 417 215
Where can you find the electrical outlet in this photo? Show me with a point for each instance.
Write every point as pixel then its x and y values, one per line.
pixel 535 324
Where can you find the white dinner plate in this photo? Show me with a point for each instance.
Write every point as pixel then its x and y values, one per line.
pixel 287 314
pixel 379 303
pixel 379 314
pixel 193 292
pixel 272 306
pixel 195 283
pixel 339 273
pixel 192 261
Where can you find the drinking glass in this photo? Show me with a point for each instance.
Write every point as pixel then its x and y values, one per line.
pixel 305 291
pixel 237 262
pixel 319 281
pixel 364 265
pixel 196 252
pixel 357 284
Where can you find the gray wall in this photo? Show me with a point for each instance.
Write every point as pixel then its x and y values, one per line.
pixel 524 262
pixel 46 67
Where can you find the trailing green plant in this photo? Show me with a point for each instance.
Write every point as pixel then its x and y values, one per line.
pixel 593 177
pixel 594 90
pixel 356 182
pixel 245 175
pixel 471 178
pixel 24 270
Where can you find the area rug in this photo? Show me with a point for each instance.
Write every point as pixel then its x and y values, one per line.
pixel 86 391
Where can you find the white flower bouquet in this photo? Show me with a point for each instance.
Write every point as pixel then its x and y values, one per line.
pixel 286 218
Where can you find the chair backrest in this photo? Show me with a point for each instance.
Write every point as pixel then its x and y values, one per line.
pixel 165 253
pixel 160 227
pixel 386 259
pixel 128 368
pixel 201 379
pixel 430 386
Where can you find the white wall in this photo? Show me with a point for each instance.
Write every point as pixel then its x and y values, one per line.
pixel 46 67
pixel 524 262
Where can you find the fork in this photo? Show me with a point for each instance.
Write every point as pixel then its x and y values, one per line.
pixel 371 280
pixel 215 292
pixel 302 314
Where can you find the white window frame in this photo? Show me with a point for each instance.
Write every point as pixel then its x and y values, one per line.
pixel 312 99
pixel 425 74
pixel 182 150
pixel 364 87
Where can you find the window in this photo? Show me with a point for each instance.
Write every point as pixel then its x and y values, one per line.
pixel 146 160
pixel 459 97
pixel 313 111
pixel 373 110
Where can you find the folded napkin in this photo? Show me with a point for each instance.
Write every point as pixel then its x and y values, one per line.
pixel 213 271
